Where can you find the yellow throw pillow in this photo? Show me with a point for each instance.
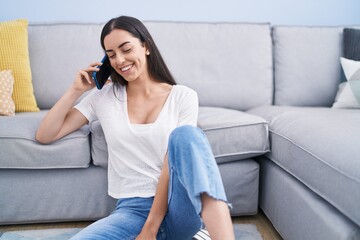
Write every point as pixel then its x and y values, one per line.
pixel 14 55
pixel 7 106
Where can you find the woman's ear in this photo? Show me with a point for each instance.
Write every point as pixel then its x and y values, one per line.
pixel 147 51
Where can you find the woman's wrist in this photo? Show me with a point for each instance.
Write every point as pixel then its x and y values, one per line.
pixel 74 92
pixel 75 89
pixel 151 227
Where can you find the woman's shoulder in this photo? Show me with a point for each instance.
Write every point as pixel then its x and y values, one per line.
pixel 182 89
pixel 107 92
pixel 183 93
pixel 107 89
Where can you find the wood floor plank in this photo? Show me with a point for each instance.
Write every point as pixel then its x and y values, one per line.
pixel 264 226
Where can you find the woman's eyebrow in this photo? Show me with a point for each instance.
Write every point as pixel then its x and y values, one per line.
pixel 110 50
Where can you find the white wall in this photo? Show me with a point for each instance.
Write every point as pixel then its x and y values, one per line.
pixel 277 12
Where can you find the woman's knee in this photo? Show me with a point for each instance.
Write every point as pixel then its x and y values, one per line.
pixel 185 134
pixel 188 143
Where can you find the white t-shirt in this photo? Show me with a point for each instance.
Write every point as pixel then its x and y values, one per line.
pixel 137 151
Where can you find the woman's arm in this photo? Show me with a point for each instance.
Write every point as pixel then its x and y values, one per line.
pixel 63 119
pixel 159 207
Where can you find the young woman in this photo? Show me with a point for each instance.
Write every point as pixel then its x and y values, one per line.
pixel 161 167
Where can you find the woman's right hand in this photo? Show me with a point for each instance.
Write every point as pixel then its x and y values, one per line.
pixel 83 79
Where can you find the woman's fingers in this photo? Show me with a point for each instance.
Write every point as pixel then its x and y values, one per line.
pixel 94 67
pixel 85 74
pixel 95 64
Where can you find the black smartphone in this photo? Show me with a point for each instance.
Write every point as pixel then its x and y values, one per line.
pixel 100 77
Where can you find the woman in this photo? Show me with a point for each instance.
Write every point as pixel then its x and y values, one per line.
pixel 160 165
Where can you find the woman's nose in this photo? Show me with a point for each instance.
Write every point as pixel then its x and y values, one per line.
pixel 120 59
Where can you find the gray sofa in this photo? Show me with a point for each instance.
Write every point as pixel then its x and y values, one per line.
pixel 260 87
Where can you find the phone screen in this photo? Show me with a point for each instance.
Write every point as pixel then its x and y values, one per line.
pixel 103 74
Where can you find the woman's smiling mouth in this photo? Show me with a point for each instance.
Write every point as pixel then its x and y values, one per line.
pixel 126 69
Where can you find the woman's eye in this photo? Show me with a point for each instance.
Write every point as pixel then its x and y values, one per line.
pixel 111 56
pixel 127 50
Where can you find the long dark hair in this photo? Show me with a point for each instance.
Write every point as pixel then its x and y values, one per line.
pixel 156 65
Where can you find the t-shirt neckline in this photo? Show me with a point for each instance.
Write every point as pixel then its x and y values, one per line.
pixel 152 124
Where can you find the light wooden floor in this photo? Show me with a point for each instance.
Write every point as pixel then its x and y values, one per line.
pixel 263 224
pixel 265 227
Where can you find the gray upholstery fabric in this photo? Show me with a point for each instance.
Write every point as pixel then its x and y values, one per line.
pixel 226 63
pixel 53 195
pixel 240 178
pixel 19 149
pixel 56 52
pixel 241 183
pixel 202 49
pixel 319 147
pixel 307 65
pixel 233 135
pixel 99 152
pixel 296 212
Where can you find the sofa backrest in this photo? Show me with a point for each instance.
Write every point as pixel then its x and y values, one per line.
pixel 57 51
pixel 228 64
pixel 307 65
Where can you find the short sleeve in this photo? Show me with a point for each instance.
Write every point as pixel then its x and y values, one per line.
pixel 189 109
pixel 87 106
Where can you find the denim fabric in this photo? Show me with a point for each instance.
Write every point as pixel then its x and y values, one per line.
pixel 191 162
pixel 192 170
pixel 125 222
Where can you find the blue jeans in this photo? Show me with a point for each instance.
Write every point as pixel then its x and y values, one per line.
pixel 192 170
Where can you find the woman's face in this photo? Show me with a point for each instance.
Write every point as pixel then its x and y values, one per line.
pixel 127 54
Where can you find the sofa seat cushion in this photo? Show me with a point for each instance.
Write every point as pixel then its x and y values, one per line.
pixel 321 148
pixel 233 135
pixel 20 150
pixel 99 152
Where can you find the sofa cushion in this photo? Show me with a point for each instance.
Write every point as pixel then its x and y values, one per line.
pixel 348 95
pixel 7 106
pixel 20 150
pixel 351 43
pixel 307 66
pixel 99 152
pixel 202 49
pixel 72 46
pixel 14 54
pixel 233 135
pixel 227 64
pixel 320 147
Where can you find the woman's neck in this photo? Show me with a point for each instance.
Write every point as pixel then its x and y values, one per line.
pixel 144 88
